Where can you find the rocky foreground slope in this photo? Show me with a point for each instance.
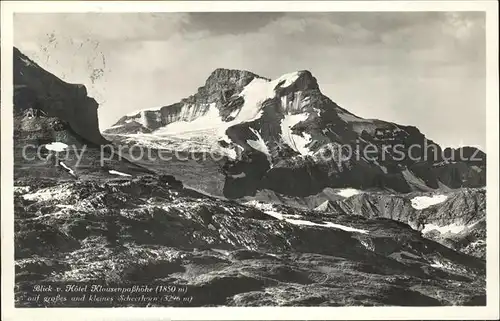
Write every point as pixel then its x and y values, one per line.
pixel 153 231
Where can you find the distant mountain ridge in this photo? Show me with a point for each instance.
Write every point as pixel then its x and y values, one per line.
pixel 284 128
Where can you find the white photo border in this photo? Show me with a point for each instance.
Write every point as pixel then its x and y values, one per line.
pixel 490 311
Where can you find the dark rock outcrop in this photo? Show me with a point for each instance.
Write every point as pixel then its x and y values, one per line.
pixel 39 90
pixel 56 129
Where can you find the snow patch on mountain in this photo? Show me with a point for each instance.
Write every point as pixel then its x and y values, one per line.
pixel 142 118
pixel 70 171
pixel 348 192
pixel 275 214
pixel 450 228
pixel 117 126
pixel 323 206
pixel 118 173
pixel 229 152
pixel 297 142
pixel 26 61
pixel 288 79
pixel 260 205
pixel 437 265
pixel 295 219
pixel 240 175
pixel 233 150
pixel 21 189
pixel 210 120
pixel 48 194
pixel 56 146
pixel 254 94
pixel 325 224
pixel 421 202
pixel 345 228
pixel 301 143
pixel 258 144
pixel 146 140
pixel 258 91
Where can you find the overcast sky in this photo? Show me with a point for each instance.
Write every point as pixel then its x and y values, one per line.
pixel 413 68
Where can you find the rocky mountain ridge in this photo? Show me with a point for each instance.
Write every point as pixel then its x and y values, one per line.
pixel 39 90
pixel 456 218
pixel 284 135
pixel 274 169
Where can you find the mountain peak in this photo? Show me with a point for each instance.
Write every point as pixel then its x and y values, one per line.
pixel 225 71
pixel 236 76
pixel 301 80
pixel 307 75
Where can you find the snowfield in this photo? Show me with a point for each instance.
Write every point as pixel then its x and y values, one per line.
pixel 118 173
pixel 118 126
pixel 295 219
pixel 240 175
pixel 327 224
pixel 254 94
pixel 70 171
pixel 209 120
pixel 26 62
pixel 421 202
pixel 348 192
pixel 450 228
pixel 323 206
pixel 296 142
pixel 48 194
pixel 288 79
pixel 258 144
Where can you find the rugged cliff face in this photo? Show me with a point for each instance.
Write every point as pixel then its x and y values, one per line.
pixel 56 129
pixel 284 135
pixel 38 89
